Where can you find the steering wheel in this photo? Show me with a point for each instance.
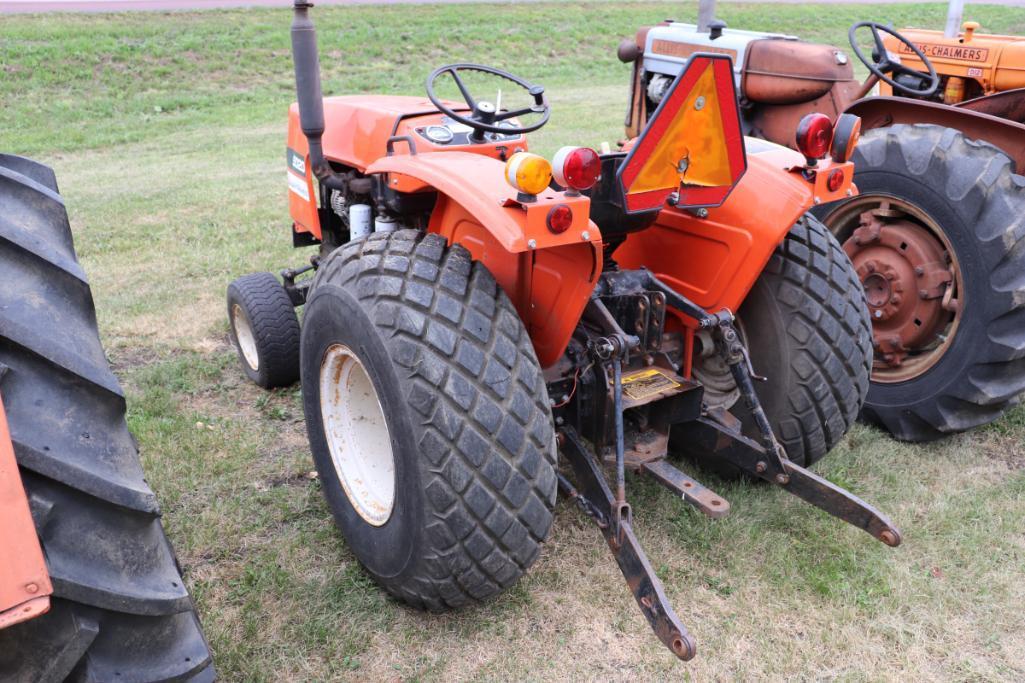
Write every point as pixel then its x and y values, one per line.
pixel 885 66
pixel 484 116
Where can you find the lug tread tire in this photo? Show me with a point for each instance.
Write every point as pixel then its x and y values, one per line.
pixel 120 610
pixel 275 328
pixel 479 409
pixel 828 341
pixel 981 189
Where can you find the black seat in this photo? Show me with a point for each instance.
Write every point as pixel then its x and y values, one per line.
pixel 607 210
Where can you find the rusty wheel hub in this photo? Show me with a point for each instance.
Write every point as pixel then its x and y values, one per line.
pixel 911 281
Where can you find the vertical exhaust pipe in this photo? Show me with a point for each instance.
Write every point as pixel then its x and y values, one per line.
pixel 308 92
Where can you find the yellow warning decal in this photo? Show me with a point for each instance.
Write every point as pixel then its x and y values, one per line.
pixel 647 383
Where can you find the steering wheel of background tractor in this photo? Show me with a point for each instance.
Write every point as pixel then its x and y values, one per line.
pixel 484 117
pixel 881 64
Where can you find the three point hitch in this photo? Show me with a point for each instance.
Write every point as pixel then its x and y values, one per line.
pixel 708 432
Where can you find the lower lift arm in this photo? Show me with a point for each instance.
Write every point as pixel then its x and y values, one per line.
pixel 715 432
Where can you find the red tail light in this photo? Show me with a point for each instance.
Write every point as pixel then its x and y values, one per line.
pixel 835 180
pixel 560 217
pixel 576 168
pixel 814 133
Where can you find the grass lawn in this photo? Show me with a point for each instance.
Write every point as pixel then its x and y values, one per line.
pixel 167 134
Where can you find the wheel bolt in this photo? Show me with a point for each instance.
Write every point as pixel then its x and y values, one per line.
pixel 919 271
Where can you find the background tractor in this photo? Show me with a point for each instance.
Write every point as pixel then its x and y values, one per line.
pixel 936 229
pixel 90 589
pixel 475 309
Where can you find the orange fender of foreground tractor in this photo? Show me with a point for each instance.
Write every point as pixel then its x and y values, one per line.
pixel 549 276
pixel 24 581
pixel 715 260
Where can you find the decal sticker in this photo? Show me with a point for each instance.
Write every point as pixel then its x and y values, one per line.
pixel 647 383
pixel 296 162
pixel 668 47
pixel 298 185
pixel 975 72
pixel 961 52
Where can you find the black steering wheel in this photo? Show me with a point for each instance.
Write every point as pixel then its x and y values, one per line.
pixel 484 117
pixel 881 64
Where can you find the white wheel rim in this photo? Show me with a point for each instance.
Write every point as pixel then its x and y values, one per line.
pixel 244 336
pixel 357 434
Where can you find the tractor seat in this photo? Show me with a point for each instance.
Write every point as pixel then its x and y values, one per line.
pixel 792 72
pixel 607 210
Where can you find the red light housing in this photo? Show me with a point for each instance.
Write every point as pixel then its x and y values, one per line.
pixel 834 181
pixel 814 133
pixel 560 218
pixel 576 168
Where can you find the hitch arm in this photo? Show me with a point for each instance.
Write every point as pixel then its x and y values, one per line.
pixel 715 439
pixel 598 502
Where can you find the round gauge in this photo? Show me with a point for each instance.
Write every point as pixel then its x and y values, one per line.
pixel 439 134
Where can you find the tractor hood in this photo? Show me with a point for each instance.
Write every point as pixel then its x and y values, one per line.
pixel 360 125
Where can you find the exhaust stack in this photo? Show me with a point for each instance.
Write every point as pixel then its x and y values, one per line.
pixel 308 92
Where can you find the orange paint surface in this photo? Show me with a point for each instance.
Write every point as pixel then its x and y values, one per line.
pixel 24 580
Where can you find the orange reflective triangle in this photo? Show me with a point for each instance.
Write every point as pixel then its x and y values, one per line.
pixel 693 142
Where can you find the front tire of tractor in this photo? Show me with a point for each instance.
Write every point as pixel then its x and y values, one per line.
pixel 966 195
pixel 264 330
pixel 428 419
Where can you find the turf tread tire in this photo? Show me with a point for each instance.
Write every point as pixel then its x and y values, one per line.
pixel 816 310
pixel 275 328
pixel 982 374
pixel 120 609
pixel 477 406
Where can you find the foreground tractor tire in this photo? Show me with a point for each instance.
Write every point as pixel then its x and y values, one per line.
pixel 937 236
pixel 428 419
pixel 810 335
pixel 808 331
pixel 264 330
pixel 120 610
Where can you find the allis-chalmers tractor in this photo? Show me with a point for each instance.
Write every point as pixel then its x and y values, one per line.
pixel 89 586
pixel 937 229
pixel 476 310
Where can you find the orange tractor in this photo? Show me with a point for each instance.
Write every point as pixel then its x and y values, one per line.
pixel 476 310
pixel 89 586
pixel 935 231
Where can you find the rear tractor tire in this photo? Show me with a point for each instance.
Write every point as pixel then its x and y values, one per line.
pixel 428 419
pixel 938 238
pixel 807 328
pixel 120 610
pixel 264 330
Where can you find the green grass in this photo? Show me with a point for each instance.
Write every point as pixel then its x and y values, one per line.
pixel 167 130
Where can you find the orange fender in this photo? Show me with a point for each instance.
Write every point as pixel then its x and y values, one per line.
pixel 24 581
pixel 714 261
pixel 549 277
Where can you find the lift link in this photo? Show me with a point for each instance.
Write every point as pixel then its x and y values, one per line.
pixel 598 501
pixel 722 438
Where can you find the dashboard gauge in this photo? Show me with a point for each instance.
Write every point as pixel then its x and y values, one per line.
pixel 440 134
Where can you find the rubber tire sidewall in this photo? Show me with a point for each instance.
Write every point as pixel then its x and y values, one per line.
pixel 333 316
